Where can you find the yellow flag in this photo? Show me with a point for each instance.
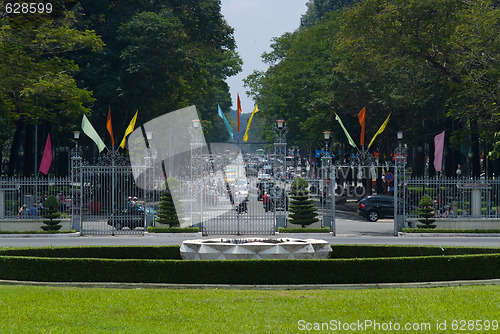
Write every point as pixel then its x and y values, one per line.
pixel 130 129
pixel 245 137
pixel 380 130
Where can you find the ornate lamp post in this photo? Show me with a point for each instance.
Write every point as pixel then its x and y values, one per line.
pixel 326 163
pixel 399 176
pixel 280 131
pixel 76 196
pixel 196 192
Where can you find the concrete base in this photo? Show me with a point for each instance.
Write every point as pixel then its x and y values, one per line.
pixel 259 248
pixel 20 225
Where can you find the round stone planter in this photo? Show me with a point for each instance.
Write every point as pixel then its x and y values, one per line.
pixel 254 248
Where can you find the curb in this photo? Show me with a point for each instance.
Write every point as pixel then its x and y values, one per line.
pixel 114 285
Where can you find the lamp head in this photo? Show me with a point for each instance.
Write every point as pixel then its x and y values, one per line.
pixel 196 123
pixel 76 134
pixel 326 135
pixel 280 123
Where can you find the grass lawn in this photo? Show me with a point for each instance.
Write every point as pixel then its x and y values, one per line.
pixel 27 309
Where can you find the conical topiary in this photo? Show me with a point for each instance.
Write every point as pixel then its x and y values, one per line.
pixel 51 214
pixel 302 208
pixel 427 211
pixel 166 213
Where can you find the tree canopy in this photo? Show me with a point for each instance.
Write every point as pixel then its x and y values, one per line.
pixel 433 64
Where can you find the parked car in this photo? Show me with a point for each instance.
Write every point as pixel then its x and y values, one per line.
pixel 375 207
pixel 132 217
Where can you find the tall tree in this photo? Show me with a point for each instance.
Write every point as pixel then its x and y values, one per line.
pixel 160 56
pixel 37 84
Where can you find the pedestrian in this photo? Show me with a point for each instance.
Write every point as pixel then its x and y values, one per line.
pixel 33 211
pixel 23 211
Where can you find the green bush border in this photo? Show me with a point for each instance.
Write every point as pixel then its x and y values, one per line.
pixel 303 230
pixel 38 232
pixel 429 230
pixel 173 229
pixel 162 265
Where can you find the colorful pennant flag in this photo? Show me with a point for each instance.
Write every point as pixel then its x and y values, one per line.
pixel 47 157
pixel 245 137
pixel 129 130
pixel 109 126
pixel 380 130
pixel 361 117
pixel 438 151
pixel 351 142
pixel 239 111
pixel 89 130
pixel 228 127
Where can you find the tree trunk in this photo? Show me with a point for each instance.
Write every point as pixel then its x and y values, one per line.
pixel 29 142
pixel 14 149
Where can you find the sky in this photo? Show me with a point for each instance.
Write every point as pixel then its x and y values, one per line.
pixel 255 23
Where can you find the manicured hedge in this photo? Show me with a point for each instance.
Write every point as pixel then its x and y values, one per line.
pixel 99 252
pixel 173 229
pixel 378 251
pixel 437 230
pixel 345 271
pixel 149 264
pixel 303 230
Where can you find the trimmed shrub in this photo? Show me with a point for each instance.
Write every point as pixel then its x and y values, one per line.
pixel 51 214
pixel 302 209
pixel 427 211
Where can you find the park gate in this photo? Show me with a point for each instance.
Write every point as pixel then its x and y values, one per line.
pixel 108 199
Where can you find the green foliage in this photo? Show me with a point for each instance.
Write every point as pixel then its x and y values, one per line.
pixel 51 213
pixel 303 230
pixel 173 229
pixel 302 209
pixel 61 266
pixel 160 56
pixel 167 213
pixel 427 211
pixel 423 229
pixel 299 184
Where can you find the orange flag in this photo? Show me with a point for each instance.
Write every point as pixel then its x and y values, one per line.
pixel 361 117
pixel 110 127
pixel 239 111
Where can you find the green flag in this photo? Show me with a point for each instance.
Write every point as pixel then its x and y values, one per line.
pixel 89 130
pixel 351 142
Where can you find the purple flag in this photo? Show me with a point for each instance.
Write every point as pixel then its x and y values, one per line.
pixel 47 157
pixel 438 151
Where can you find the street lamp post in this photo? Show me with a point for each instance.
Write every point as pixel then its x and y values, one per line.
pixel 76 165
pixel 280 131
pixel 196 174
pixel 399 172
pixel 326 162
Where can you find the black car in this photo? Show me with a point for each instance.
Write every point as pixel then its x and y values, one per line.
pixel 132 217
pixel 375 207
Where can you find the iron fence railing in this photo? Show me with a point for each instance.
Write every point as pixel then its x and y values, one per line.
pixel 23 198
pixel 454 197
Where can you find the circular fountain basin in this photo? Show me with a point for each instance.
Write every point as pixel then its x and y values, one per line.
pixel 254 248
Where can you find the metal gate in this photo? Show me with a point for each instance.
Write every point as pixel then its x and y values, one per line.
pixel 242 206
pixel 112 202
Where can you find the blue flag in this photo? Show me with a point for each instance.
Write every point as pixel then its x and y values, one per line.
pixel 228 127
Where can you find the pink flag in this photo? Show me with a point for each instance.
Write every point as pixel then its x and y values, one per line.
pixel 47 157
pixel 438 151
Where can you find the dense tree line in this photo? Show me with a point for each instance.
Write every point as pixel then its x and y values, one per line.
pixel 433 64
pixel 87 57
